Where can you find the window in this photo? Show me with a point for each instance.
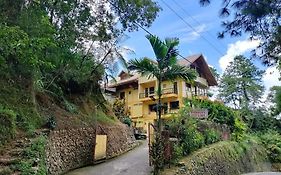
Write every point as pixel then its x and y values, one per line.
pixel 146 92
pixel 129 92
pixel 174 105
pixel 152 108
pixel 122 95
pixel 188 87
pixel 175 87
pixel 151 90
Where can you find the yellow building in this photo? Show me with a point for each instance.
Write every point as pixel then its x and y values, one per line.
pixel 140 97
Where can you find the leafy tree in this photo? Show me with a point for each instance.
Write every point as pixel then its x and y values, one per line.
pixel 165 67
pixel 258 18
pixel 275 98
pixel 62 38
pixel 241 86
pixel 241 83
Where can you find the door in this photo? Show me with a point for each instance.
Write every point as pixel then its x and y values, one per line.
pixel 100 147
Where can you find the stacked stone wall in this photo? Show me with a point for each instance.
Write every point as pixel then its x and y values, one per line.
pixel 73 148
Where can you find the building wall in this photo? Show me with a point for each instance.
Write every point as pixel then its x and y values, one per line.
pixel 139 106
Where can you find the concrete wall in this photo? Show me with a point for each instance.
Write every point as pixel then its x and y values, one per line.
pixel 74 148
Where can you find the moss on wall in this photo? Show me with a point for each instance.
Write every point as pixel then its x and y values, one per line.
pixel 223 158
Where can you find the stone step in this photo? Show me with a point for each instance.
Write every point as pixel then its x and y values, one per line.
pixel 16 152
pixel 8 160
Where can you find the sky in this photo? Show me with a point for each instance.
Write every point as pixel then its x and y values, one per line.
pixel 201 38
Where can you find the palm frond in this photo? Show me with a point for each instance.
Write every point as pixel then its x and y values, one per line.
pixel 177 71
pixel 159 48
pixel 144 66
pixel 171 56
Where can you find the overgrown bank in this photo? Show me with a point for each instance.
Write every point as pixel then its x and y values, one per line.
pixel 223 158
pixel 42 133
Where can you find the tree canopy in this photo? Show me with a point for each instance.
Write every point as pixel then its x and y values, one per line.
pixel 260 19
pixel 241 83
pixel 55 42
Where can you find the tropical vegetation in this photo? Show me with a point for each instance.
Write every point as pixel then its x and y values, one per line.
pixel 165 68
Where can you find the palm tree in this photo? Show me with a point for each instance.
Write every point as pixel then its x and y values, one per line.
pixel 165 67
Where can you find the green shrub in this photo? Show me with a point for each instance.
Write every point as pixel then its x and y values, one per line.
pixel 7 124
pixel 127 121
pixel 103 118
pixel 191 139
pixel 177 153
pixel 33 155
pixel 120 111
pixel 211 136
pixel 217 111
pixel 51 122
pixel 70 107
pixel 239 130
pixel 272 142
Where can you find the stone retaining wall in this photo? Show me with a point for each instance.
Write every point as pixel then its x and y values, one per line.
pixel 74 148
pixel 224 158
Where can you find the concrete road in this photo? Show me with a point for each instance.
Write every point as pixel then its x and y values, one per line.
pixel 264 173
pixel 134 162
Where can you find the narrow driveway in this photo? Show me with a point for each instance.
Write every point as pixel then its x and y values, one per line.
pixel 134 162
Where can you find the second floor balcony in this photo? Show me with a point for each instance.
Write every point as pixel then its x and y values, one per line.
pixel 166 92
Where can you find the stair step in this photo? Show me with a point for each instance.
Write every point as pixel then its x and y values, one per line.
pixel 8 161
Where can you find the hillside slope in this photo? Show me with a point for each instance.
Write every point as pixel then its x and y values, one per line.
pixel 31 121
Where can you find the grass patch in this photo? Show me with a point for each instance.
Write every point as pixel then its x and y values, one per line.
pixel 18 98
pixel 7 124
pixel 33 160
pixel 103 118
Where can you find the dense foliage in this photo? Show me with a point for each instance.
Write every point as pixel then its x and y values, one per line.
pixel 61 41
pixel 241 83
pixel 217 111
pixel 7 124
pixel 260 19
pixel 61 48
pixel 275 98
pixel 221 114
pixel 121 112
pixel 272 142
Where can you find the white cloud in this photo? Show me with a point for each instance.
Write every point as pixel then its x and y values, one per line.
pixel 126 51
pixel 194 34
pixel 238 48
pixel 270 78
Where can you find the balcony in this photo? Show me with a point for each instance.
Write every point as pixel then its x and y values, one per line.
pixel 146 95
pixel 202 81
pixel 166 113
pixel 166 92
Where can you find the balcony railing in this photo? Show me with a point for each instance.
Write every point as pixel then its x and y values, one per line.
pixel 164 111
pixel 164 92
pixel 145 95
pixel 169 91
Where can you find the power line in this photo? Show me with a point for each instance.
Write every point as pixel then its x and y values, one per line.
pixel 189 25
pixel 195 20
pixel 144 29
